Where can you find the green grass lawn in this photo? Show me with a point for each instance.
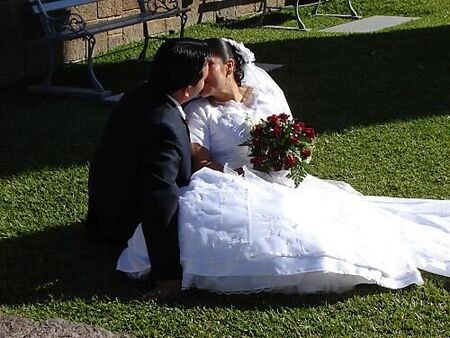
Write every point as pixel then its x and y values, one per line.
pixel 381 105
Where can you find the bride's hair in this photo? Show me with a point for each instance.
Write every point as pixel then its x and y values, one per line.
pixel 226 51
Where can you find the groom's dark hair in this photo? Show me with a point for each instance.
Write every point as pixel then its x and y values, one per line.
pixel 178 63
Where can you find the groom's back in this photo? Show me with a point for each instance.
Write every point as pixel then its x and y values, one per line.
pixel 113 175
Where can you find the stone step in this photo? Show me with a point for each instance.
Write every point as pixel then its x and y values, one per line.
pixel 370 24
pixel 15 326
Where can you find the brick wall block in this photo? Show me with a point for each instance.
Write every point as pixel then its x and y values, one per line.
pixel 109 8
pixel 88 12
pixel 246 9
pixel 131 12
pixel 173 24
pixel 132 33
pixel 115 31
pixel 279 3
pixel 114 41
pixel 228 13
pixel 206 17
pixel 74 50
pixel 129 5
pixel 191 18
pixel 156 27
pixel 102 43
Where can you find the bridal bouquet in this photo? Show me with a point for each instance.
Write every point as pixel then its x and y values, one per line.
pixel 280 143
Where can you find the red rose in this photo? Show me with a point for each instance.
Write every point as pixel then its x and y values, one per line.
pixel 277 167
pixel 283 117
pixel 258 131
pixel 275 120
pixel 309 132
pixel 290 161
pixel 298 127
pixel 275 153
pixel 279 143
pixel 305 153
pixel 257 142
pixel 295 140
pixel 257 161
pixel 277 131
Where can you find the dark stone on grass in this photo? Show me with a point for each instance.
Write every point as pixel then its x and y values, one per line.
pixel 17 327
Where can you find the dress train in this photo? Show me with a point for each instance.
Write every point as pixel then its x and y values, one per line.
pixel 246 235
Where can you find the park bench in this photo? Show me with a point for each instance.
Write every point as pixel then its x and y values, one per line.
pixel 60 24
pixel 298 4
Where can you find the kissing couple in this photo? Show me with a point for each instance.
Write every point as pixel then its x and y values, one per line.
pixel 172 186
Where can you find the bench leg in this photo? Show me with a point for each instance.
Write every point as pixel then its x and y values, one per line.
pixel 353 14
pixel 315 10
pixel 143 53
pixel 352 10
pixel 90 44
pixel 263 9
pixel 301 25
pixel 183 20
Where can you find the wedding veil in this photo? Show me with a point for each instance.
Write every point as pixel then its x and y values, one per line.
pixel 256 77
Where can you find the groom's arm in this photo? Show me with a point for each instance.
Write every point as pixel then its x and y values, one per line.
pixel 202 158
pixel 159 170
pixel 158 173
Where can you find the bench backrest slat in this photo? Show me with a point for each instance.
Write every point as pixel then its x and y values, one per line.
pixel 58 4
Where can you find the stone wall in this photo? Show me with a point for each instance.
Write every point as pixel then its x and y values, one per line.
pixel 23 50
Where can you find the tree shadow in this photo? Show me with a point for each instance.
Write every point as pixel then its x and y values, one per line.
pixel 274 18
pixel 63 263
pixel 285 16
pixel 333 83
pixel 117 76
pixel 39 131
pixel 338 82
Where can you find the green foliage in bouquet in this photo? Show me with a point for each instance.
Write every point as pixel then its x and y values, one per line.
pixel 280 143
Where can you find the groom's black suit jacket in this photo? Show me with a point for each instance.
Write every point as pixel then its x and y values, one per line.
pixel 144 157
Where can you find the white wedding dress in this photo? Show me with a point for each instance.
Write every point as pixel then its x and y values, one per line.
pixel 246 234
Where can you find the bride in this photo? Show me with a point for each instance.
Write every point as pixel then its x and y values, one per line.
pixel 240 233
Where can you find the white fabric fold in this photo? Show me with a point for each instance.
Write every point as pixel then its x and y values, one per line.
pixel 257 233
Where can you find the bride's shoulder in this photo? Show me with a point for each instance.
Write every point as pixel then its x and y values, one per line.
pixel 196 104
pixel 200 108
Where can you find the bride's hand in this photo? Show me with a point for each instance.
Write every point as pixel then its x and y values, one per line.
pixel 202 158
pixel 240 171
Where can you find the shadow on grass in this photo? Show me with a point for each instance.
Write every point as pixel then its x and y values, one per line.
pixel 338 82
pixel 332 83
pixel 275 19
pixel 62 262
pixel 47 132
pixel 117 76
pixel 264 300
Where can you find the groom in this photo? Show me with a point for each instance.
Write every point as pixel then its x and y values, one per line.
pixel 145 156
